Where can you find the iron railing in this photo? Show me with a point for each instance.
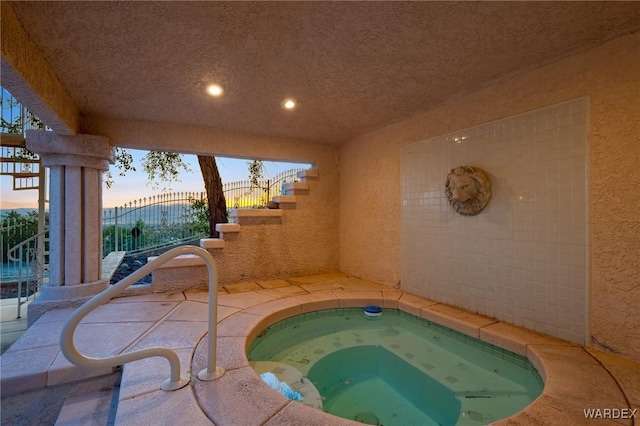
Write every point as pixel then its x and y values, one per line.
pixel 153 222
pixel 13 231
pixel 30 261
pixel 15 117
pixel 244 195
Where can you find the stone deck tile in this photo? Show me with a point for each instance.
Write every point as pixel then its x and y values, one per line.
pixel 273 283
pixel 190 311
pixel 391 297
pixel 574 381
pixel 239 397
pixel 147 375
pixel 198 311
pixel 309 279
pixel 130 312
pixel 358 298
pixel 199 295
pixel 283 291
pixel 150 297
pixel 173 335
pixel 243 300
pixel 413 304
pixel 85 408
pixel 516 339
pixel 39 335
pixel 627 374
pixel 242 287
pixel 300 414
pixel 239 324
pixel 230 353
pixel 456 319
pixel 26 370
pixel 316 301
pixel 161 408
pixel 350 283
pixel 56 315
pixel 323 286
pixel 99 341
pixel 276 309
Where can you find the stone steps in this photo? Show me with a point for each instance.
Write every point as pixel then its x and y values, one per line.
pixel 250 217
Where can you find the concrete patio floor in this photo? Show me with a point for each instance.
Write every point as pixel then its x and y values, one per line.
pixel 576 378
pixel 11 327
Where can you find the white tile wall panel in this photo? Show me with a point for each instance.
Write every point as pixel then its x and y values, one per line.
pixel 523 259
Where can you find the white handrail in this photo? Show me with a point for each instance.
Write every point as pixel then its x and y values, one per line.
pixel 175 382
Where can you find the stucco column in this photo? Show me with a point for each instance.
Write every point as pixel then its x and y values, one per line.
pixel 76 164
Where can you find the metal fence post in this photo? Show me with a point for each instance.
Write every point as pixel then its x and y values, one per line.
pixel 115 229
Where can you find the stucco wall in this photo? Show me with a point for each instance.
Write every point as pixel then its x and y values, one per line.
pixel 370 186
pixel 26 72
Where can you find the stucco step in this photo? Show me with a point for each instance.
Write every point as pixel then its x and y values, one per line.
pixel 212 243
pixel 226 228
pixel 256 216
pixel 304 175
pixel 181 261
pixel 285 199
pixel 296 188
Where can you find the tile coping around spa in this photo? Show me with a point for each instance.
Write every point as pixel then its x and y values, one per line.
pixel 576 378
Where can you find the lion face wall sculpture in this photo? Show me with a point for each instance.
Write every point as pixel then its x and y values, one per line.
pixel 468 190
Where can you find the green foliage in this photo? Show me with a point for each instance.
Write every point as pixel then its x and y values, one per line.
pixel 256 171
pixel 200 216
pixel 164 167
pixel 123 162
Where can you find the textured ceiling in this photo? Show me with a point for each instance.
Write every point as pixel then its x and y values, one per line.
pixel 351 66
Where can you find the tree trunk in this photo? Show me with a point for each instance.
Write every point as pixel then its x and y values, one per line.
pixel 215 197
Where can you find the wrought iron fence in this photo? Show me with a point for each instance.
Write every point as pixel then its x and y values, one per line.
pixel 244 195
pixel 172 218
pixel 154 222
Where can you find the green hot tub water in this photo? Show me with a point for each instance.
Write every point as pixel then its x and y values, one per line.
pixel 396 369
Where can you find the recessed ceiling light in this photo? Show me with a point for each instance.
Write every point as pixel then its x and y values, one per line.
pixel 288 104
pixel 214 90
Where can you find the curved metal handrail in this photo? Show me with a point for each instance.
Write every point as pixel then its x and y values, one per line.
pixel 175 381
pixel 15 255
